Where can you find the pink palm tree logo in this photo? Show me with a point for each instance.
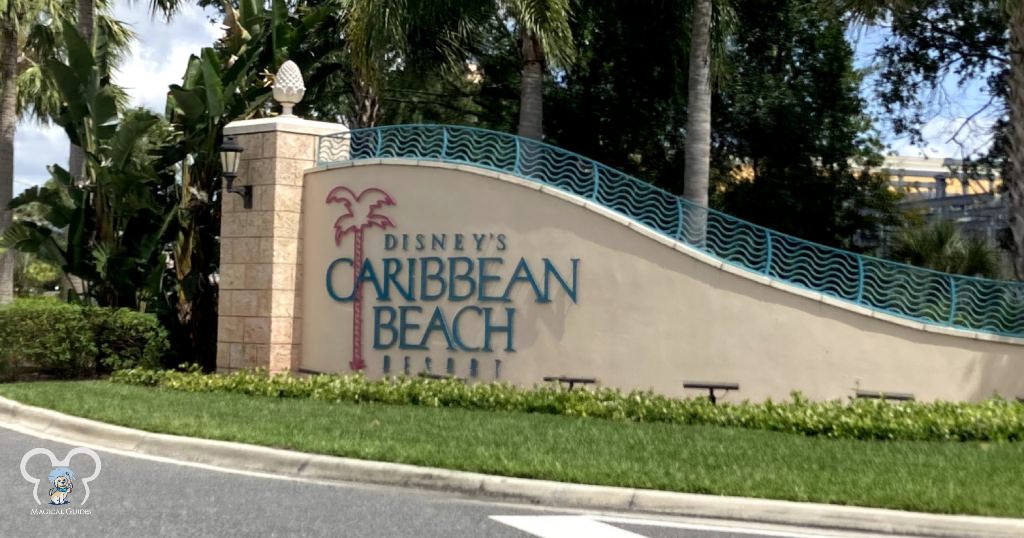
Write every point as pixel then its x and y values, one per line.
pixel 361 214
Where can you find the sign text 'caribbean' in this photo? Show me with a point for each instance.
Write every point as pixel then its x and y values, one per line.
pixel 490 284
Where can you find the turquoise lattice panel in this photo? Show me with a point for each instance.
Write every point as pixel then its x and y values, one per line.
pixel 989 305
pixel 481 148
pixel 728 238
pixel 567 171
pixel 410 142
pixel 815 267
pixel 907 291
pixel 640 201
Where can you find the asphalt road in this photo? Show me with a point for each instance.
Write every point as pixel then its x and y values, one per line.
pixel 135 496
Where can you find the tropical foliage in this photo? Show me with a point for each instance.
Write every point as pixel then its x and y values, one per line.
pixel 790 129
pixel 115 218
pixel 992 420
pixel 220 84
pixel 140 229
pixel 31 34
pixel 380 31
pixel 942 247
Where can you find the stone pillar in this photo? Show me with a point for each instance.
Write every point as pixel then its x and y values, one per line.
pixel 261 248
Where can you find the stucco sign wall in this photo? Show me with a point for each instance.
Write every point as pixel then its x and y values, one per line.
pixel 419 275
pixel 432 294
pixel 451 270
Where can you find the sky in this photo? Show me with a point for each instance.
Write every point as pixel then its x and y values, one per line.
pixel 943 134
pixel 160 54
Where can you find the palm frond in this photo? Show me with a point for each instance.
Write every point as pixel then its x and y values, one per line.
pixel 376 30
pixel 980 259
pixel 38 99
pixel 549 21
pixel 943 247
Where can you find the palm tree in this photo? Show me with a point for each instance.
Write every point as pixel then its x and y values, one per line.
pixel 710 24
pixel 1015 11
pixel 86 11
pixel 361 213
pixel 27 92
pixel 11 14
pixel 544 35
pixel 697 167
pixel 43 40
pixel 378 30
pixel 942 247
pixel 698 107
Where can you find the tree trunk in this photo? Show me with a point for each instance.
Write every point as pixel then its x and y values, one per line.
pixel 8 122
pixel 698 121
pixel 531 92
pixel 1015 181
pixel 366 103
pixel 86 16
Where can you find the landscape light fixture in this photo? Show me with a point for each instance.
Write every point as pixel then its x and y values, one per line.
pixel 230 156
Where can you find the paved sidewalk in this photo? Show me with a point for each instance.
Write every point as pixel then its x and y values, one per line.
pixel 238 456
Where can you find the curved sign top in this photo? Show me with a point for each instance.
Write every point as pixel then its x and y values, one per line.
pixel 974 304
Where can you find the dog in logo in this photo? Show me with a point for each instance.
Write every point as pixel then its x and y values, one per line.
pixel 61 478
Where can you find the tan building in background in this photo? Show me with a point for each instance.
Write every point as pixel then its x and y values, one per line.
pixel 928 178
pixel 944 190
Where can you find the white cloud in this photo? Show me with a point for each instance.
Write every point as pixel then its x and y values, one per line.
pixel 161 53
pixel 957 137
pixel 157 60
pixel 35 148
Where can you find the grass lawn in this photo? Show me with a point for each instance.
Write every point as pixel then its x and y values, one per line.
pixel 949 477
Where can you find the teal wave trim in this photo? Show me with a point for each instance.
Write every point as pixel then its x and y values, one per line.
pixel 931 297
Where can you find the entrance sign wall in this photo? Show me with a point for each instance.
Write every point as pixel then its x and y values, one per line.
pixel 410 266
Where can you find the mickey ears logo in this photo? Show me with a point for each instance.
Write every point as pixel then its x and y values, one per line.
pixel 62 479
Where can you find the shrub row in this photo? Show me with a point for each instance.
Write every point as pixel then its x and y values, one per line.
pixel 66 340
pixel 992 420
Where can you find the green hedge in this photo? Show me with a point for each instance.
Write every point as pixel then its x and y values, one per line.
pixel 128 339
pixel 66 340
pixel 992 420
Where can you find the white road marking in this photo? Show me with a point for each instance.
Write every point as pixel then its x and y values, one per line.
pixel 564 527
pixel 594 526
pixel 707 528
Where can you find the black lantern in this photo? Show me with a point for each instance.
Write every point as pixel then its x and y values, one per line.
pixel 230 156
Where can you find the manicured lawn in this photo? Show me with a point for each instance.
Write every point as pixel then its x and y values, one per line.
pixel 973 478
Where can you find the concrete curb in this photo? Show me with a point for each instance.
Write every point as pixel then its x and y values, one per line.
pixel 302 465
